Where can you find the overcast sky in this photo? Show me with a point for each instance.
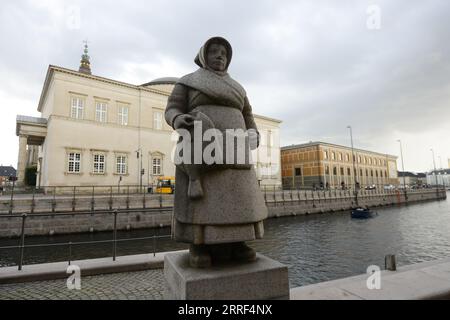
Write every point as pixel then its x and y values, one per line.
pixel 381 66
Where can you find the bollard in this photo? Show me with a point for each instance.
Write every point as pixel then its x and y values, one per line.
pixel 390 263
pixel 22 241
pixel 115 236
pixel 70 252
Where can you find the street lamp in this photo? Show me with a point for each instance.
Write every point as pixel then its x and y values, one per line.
pixel 353 161
pixel 434 164
pixel 403 169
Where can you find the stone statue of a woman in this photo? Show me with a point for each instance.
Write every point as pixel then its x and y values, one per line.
pixel 218 206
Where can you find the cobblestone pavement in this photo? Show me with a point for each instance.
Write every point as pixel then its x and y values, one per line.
pixel 142 285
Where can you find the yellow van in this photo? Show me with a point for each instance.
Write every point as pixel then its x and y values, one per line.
pixel 165 185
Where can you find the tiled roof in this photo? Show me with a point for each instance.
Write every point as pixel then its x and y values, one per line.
pixel 7 171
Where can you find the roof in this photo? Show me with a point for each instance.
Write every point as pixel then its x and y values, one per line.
pixel 7 171
pixel 51 69
pixel 317 143
pixel 21 118
pixel 27 120
pixel 165 80
pixel 409 174
pixel 440 171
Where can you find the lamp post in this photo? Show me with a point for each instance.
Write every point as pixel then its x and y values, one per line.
pixel 434 164
pixel 353 161
pixel 403 169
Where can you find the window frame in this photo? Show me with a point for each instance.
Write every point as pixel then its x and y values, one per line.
pixel 94 162
pixel 73 161
pixel 123 165
pixel 157 120
pixel 121 115
pixel 79 109
pixel 103 113
pixel 157 166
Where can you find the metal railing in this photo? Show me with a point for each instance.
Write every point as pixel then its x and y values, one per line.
pixel 80 195
pixel 22 246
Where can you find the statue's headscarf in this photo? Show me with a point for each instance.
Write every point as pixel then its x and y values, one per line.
pixel 200 59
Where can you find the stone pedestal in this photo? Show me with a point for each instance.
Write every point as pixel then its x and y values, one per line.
pixel 260 280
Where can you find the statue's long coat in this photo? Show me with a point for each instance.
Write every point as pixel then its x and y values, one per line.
pixel 232 208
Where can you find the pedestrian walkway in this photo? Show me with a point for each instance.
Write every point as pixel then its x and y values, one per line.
pixel 140 285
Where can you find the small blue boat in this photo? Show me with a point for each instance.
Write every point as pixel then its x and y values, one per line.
pixel 362 213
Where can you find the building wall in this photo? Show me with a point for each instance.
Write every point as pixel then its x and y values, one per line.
pixel 267 156
pixel 88 136
pixel 332 166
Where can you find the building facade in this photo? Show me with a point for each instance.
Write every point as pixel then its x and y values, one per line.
pixel 320 164
pixel 411 178
pixel 439 177
pixel 95 131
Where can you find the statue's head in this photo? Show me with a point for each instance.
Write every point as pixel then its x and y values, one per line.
pixel 215 55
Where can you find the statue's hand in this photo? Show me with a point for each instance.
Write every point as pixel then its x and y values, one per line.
pixel 253 138
pixel 183 121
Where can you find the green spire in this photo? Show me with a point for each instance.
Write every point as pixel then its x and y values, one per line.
pixel 85 64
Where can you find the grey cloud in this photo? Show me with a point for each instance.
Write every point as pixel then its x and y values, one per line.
pixel 313 65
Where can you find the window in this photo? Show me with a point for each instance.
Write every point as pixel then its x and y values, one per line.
pixel 359 159
pixel 371 173
pixel 100 111
pixel 327 170
pixel 77 108
pixel 333 156
pixel 74 162
pixel 325 155
pixel 121 164
pixel 157 120
pixel 335 171
pixel 99 163
pixel 347 158
pixel 123 115
pixel 367 173
pixel 348 172
pixel 376 173
pixel 342 171
pixel 298 171
pixel 269 139
pixel 156 164
pixel 370 160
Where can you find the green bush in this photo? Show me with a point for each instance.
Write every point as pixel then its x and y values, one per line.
pixel 30 176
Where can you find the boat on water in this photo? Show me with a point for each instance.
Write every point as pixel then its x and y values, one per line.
pixel 362 213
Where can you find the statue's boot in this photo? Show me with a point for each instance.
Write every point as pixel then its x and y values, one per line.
pixel 242 252
pixel 195 190
pixel 199 256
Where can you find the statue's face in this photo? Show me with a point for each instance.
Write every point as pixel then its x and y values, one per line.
pixel 216 57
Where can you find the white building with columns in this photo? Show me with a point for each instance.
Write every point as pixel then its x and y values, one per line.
pixel 95 131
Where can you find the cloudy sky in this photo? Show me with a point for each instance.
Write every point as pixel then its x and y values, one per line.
pixel 381 66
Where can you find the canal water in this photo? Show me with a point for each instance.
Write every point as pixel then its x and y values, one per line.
pixel 316 247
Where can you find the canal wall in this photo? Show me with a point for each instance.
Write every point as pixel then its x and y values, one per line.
pixel 421 281
pixel 49 216
pixel 291 203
